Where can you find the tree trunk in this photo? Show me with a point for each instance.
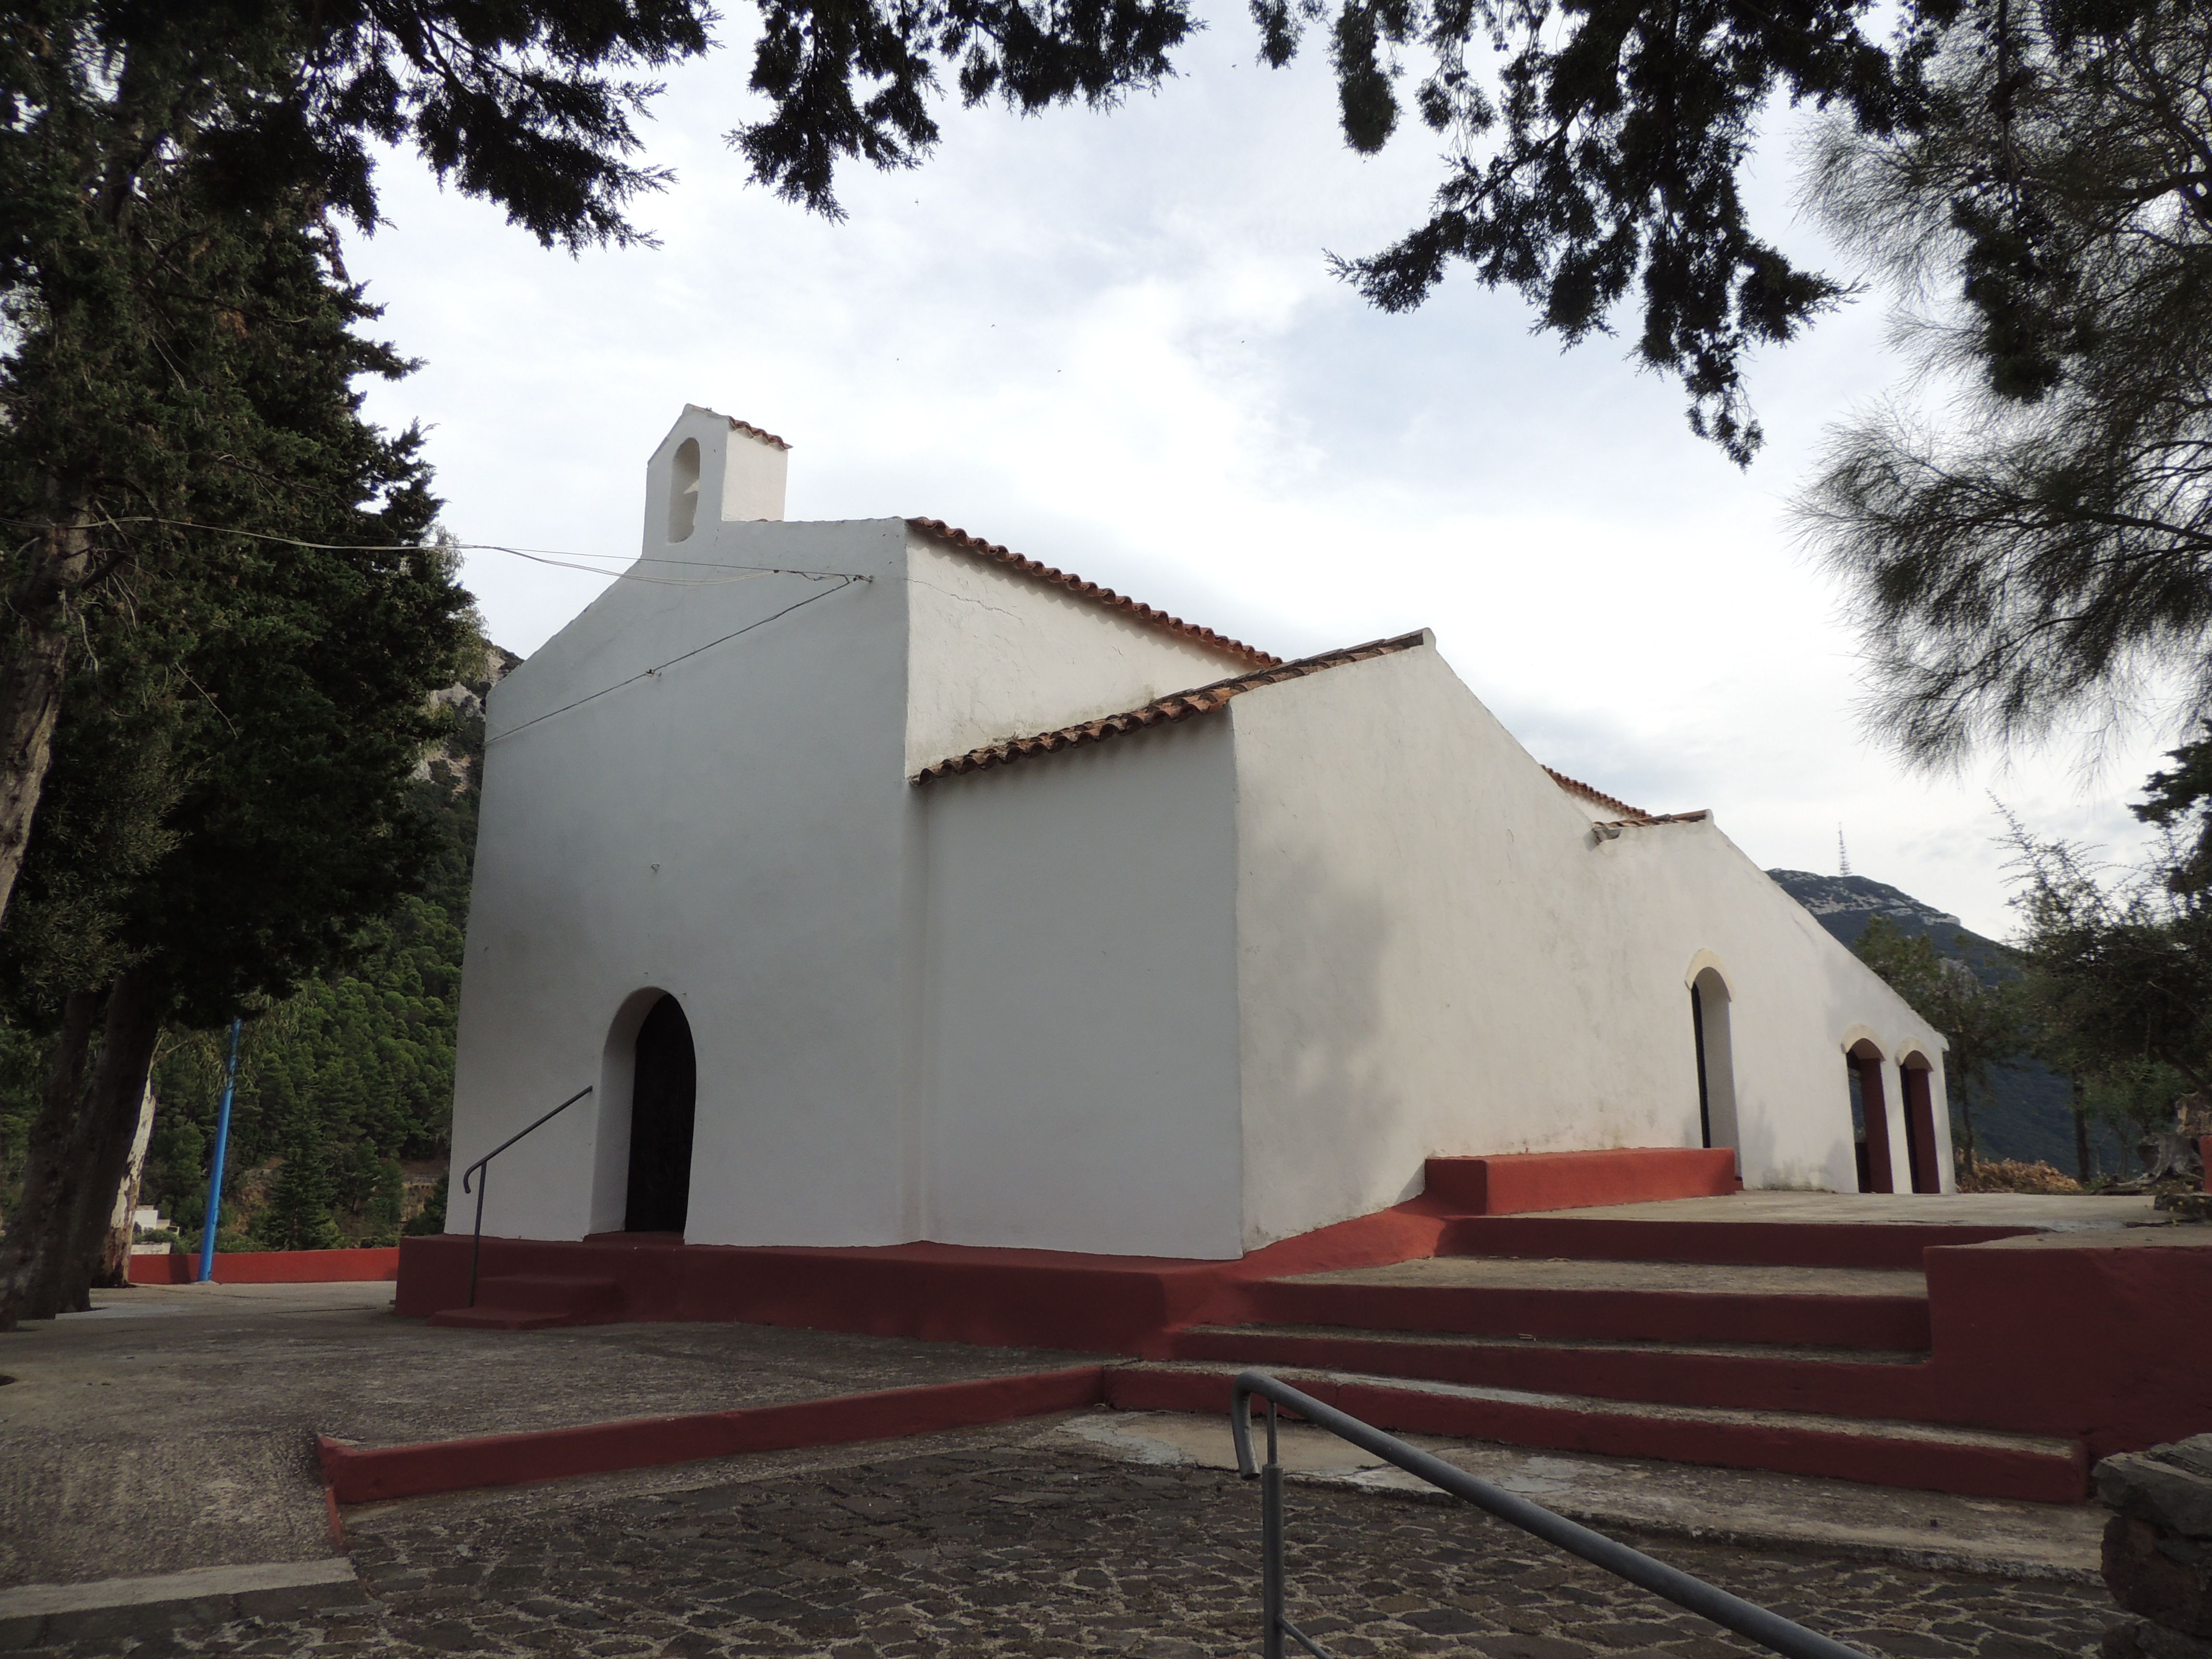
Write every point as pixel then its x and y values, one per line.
pixel 1967 1111
pixel 127 1042
pixel 80 1146
pixel 122 1229
pixel 31 690
pixel 2084 1164
pixel 49 1164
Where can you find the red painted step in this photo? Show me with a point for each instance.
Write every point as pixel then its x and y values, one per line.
pixel 535 1301
pixel 1973 1462
pixel 360 1474
pixel 1430 1297
pixel 1841 1382
pixel 1792 1243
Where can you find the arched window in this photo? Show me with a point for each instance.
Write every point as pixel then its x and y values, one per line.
pixel 683 490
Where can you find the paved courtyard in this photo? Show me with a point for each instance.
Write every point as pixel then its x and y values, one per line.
pixel 174 1431
pixel 1008 1542
pixel 183 1418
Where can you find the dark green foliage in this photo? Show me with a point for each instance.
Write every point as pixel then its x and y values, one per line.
pixel 367 1049
pixel 433 1217
pixel 854 82
pixel 2180 802
pixel 1984 1022
pixel 2044 549
pixel 2119 961
pixel 22 1075
pixel 229 803
pixel 298 1214
pixel 1606 161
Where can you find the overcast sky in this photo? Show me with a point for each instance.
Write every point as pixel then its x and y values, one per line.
pixel 1111 342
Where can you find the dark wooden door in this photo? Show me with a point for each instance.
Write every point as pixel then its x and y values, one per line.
pixel 663 1097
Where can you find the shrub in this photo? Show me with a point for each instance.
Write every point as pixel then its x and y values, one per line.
pixel 2009 1175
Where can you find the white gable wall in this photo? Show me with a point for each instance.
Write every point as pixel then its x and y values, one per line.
pixel 1438 956
pixel 729 829
pixel 996 654
pixel 1081 965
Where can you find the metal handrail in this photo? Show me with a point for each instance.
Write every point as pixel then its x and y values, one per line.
pixel 1769 1630
pixel 476 1241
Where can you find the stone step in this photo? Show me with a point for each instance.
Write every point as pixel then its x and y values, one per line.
pixel 533 1302
pixel 1794 1243
pixel 1649 1302
pixel 1972 1462
pixel 1841 1381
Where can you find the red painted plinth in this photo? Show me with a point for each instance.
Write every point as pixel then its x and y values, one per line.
pixel 271 1266
pixel 355 1475
pixel 1514 1183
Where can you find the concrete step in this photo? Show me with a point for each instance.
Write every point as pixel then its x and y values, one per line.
pixel 1973 1462
pixel 1841 1381
pixel 1797 1243
pixel 1647 1302
pixel 534 1302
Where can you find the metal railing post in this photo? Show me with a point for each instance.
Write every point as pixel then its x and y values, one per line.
pixel 1747 1619
pixel 481 1167
pixel 476 1237
pixel 1271 1547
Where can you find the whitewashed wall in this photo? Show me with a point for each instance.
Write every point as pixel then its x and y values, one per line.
pixel 729 831
pixel 1082 975
pixel 1438 956
pixel 996 654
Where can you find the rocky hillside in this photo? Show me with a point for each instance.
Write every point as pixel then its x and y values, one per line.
pixel 2026 1115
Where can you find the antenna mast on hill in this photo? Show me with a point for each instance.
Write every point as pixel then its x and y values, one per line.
pixel 1843 855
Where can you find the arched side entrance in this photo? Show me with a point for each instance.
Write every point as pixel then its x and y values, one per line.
pixel 1710 1011
pixel 1869 1117
pixel 663 1101
pixel 1920 1153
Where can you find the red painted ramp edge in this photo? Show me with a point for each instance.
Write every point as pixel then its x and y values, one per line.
pixel 1514 1183
pixel 271 1267
pixel 361 1476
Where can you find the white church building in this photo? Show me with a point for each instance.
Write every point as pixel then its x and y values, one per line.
pixel 887 885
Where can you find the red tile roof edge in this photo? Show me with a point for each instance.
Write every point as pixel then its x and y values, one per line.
pixel 1162 711
pixel 1576 787
pixel 752 431
pixel 1645 820
pixel 1090 590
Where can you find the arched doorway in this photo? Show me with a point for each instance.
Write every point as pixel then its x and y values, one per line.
pixel 1920 1152
pixel 1709 1025
pixel 1869 1117
pixel 663 1097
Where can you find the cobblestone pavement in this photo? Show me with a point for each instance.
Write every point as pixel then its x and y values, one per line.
pixel 183 1417
pixel 1023 1547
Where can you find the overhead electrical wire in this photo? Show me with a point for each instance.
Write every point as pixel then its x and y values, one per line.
pixel 536 556
pixel 844 581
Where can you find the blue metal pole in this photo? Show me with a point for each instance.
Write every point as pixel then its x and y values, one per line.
pixel 215 1176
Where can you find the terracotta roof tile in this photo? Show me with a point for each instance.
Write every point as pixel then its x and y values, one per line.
pixel 1645 820
pixel 1576 787
pixel 752 431
pixel 1105 596
pixel 1632 818
pixel 1162 711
